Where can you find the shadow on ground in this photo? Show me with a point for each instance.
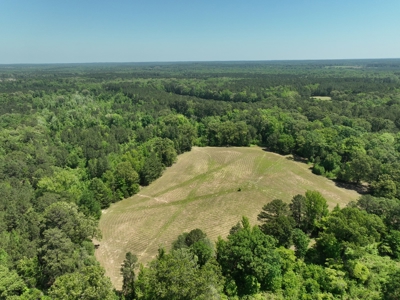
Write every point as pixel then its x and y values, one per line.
pixel 359 188
pixel 294 157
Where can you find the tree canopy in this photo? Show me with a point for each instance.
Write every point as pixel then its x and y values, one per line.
pixel 76 138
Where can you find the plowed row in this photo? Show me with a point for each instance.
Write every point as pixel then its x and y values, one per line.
pixel 201 191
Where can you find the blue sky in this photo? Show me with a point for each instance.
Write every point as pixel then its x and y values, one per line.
pixel 55 31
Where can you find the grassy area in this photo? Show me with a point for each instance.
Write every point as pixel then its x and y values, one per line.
pixel 324 98
pixel 201 191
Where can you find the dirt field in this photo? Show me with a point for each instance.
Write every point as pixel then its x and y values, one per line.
pixel 201 191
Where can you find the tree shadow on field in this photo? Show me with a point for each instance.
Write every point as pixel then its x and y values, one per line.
pixel 359 188
pixel 294 157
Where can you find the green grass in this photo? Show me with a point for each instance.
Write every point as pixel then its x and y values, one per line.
pixel 201 191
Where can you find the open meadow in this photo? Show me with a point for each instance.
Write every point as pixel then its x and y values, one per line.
pixel 207 188
pixel 323 98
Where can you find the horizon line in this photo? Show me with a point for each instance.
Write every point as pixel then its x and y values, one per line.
pixel 196 61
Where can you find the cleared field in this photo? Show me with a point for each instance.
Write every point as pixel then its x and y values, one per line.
pixel 324 98
pixel 201 191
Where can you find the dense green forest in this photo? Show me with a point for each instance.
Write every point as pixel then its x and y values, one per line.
pixel 76 138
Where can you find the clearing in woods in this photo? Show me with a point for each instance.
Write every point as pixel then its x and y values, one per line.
pixel 201 190
pixel 324 98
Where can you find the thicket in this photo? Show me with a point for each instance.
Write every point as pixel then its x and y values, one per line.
pixel 76 138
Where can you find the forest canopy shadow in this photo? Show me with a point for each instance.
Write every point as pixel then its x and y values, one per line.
pixel 359 188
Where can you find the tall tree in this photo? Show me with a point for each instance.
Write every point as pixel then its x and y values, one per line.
pixel 128 275
pixel 249 258
pixel 297 209
pixel 178 276
pixel 274 209
pixel 301 242
pixel 316 208
pixel 55 255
